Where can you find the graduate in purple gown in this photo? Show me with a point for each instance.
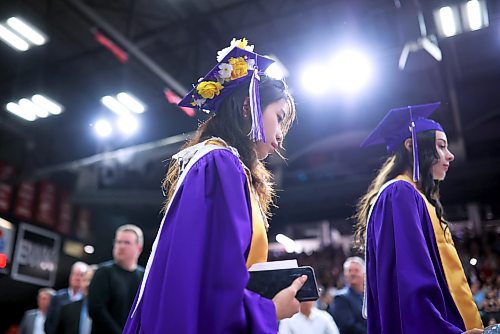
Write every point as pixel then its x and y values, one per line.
pixel 218 199
pixel 414 279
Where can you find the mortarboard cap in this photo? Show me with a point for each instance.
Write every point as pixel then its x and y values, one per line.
pixel 237 64
pixel 402 123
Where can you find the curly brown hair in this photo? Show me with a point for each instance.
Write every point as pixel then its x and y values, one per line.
pixel 229 125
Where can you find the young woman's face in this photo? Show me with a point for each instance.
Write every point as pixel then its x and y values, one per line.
pixel 441 166
pixel 272 116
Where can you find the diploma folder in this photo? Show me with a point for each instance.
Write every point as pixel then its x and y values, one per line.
pixel 267 281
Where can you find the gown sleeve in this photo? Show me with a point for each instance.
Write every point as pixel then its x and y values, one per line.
pixel 198 277
pixel 406 296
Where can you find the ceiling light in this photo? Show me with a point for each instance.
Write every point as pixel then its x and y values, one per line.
pixel 475 15
pixel 276 70
pixel 15 109
pixel 351 70
pixel 103 128
pixel 288 243
pixel 47 104
pixel 27 31
pixel 128 124
pixel 315 79
pixel 114 105
pixel 131 103
pixel 447 21
pixel 33 108
pixel 12 39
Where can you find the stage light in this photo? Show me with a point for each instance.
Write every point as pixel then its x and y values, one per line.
pixel 131 102
pixel 27 31
pixel 473 261
pixel 15 109
pixel 447 21
pixel 288 243
pixel 89 249
pixel 128 124
pixel 33 108
pixel 103 128
pixel 350 71
pixel 114 106
pixel 12 39
pixel 316 79
pixel 276 70
pixel 475 14
pixel 47 104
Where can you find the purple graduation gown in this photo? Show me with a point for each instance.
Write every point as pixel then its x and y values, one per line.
pixel 198 277
pixel 406 287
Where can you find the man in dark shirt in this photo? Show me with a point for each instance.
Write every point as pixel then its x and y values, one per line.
pixel 71 294
pixel 348 303
pixel 115 283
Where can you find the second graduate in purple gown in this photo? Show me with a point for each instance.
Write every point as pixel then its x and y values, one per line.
pixel 218 199
pixel 414 279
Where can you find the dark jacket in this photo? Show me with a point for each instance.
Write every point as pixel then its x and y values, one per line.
pixel 347 312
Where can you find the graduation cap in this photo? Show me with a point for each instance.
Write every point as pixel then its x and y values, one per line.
pixel 402 123
pixel 237 65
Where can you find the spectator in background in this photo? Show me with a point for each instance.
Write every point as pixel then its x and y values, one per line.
pixel 325 299
pixel 74 317
pixel 309 320
pixel 112 290
pixel 71 294
pixel 34 320
pixel 348 303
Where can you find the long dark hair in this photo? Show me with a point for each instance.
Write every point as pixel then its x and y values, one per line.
pixel 397 164
pixel 229 124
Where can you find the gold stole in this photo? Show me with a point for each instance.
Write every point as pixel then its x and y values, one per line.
pixel 452 267
pixel 258 244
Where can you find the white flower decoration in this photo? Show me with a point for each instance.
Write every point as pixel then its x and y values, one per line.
pixel 200 102
pixel 234 43
pixel 225 71
pixel 251 64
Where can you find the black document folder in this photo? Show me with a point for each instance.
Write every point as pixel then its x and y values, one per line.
pixel 268 283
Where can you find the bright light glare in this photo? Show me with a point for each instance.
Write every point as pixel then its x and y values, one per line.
pixel 20 112
pixel 448 25
pixel 103 128
pixel 12 39
pixel 287 242
pixel 115 106
pixel 276 70
pixel 474 16
pixel 47 104
pixel 316 80
pixel 131 102
pixel 350 70
pixel 33 108
pixel 26 30
pixel 128 124
pixel 88 249
pixel 473 261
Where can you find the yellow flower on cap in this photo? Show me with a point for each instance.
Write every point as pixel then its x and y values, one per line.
pixel 240 67
pixel 209 89
pixel 242 43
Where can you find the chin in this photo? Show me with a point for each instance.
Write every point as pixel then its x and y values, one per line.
pixel 261 155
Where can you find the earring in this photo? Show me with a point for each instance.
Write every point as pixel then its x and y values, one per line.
pixel 246 112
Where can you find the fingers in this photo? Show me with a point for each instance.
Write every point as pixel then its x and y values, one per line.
pixel 298 283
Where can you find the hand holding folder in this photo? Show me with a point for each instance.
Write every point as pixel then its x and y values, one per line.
pixel 267 279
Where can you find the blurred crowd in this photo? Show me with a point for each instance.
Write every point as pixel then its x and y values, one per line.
pixel 479 255
pixel 340 275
